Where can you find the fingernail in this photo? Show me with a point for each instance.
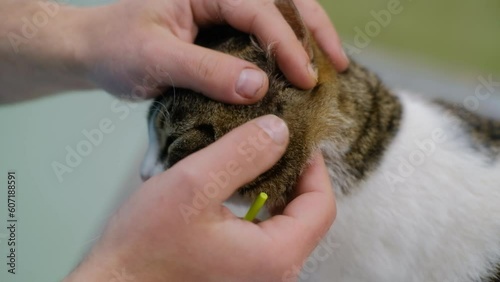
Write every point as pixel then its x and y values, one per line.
pixel 275 127
pixel 250 82
pixel 312 72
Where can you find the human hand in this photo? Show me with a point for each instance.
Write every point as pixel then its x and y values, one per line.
pixel 136 48
pixel 151 239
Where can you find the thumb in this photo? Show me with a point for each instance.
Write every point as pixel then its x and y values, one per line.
pixel 217 75
pixel 218 170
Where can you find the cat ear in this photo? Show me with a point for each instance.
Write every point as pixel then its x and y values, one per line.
pixel 292 16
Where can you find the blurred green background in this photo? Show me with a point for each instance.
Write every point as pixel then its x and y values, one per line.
pixel 459 35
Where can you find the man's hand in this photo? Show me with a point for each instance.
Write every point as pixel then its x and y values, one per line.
pixel 162 233
pixel 134 35
pixel 137 48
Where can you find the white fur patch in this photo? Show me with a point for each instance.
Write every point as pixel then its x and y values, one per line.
pixel 151 165
pixel 430 212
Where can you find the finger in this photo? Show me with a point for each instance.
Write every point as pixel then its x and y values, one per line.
pixel 217 171
pixel 219 76
pixel 314 189
pixel 310 214
pixel 324 32
pixel 264 20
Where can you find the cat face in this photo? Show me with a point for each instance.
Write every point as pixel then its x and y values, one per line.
pixel 182 121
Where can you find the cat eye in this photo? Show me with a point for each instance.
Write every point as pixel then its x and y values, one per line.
pixel 170 140
pixel 206 129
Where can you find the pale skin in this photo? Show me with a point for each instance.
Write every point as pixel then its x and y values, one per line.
pixel 113 47
pixel 150 240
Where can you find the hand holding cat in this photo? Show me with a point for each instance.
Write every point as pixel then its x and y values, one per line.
pixel 159 35
pixel 151 239
pixel 137 48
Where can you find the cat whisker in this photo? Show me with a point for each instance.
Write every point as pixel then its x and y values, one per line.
pixel 91 241
pixel 162 110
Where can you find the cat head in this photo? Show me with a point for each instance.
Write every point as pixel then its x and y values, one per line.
pixel 183 121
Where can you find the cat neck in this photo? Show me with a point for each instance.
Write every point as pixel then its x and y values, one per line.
pixel 366 119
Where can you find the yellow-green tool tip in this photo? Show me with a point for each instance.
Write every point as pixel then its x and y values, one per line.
pixel 256 206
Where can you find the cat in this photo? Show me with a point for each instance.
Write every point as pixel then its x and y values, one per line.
pixel 417 182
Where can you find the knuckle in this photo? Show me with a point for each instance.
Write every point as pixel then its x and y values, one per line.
pixel 252 22
pixel 206 67
pixel 186 176
pixel 226 7
pixel 230 3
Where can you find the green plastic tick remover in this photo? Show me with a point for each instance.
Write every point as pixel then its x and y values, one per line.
pixel 256 206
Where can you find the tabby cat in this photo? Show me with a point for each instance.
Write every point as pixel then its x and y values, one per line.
pixel 417 182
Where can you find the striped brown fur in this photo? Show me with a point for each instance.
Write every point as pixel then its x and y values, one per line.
pixel 484 132
pixel 353 110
